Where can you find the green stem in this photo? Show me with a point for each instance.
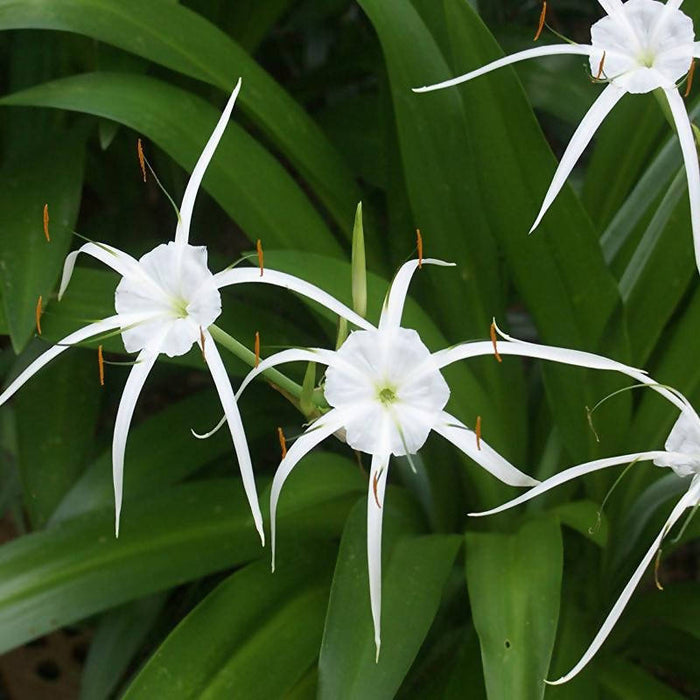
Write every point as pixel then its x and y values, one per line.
pixel 288 387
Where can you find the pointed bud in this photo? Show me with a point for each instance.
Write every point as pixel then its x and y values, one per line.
pixel 359 267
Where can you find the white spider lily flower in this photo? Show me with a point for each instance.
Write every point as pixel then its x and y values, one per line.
pixel 165 303
pixel 638 47
pixel 681 454
pixel 386 394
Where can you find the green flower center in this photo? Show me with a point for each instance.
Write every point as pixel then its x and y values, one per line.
pixel 387 395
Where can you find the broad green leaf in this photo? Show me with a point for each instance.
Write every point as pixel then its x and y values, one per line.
pixel 52 578
pixel 252 637
pixel 625 680
pixel 438 167
pixel 178 38
pixel 514 587
pixel 253 188
pixel 415 573
pixel 56 415
pixel 29 265
pixel 118 638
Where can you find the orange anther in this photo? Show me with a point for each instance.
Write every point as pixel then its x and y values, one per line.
pixel 258 246
pixel 478 432
pixel 689 84
pixel 543 17
pixel 656 570
pixel 46 222
pixel 600 67
pixel 374 489
pixel 142 159
pixel 257 348
pixel 283 442
pixel 39 311
pixel 419 244
pixel 101 365
pixel 493 340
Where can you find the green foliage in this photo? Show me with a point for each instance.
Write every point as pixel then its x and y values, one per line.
pixel 183 604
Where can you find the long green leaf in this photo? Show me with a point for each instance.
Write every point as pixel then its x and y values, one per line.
pixel 176 37
pixel 514 586
pixel 243 177
pixel 78 568
pixel 29 266
pixel 252 637
pixel 412 588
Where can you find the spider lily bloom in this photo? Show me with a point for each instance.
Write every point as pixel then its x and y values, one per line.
pixel 682 455
pixel 165 303
pixel 638 47
pixel 386 395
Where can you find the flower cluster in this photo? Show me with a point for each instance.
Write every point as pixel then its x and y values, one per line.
pixel 383 391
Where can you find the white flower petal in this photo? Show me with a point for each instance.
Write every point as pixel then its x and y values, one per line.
pixel 233 418
pixel 108 324
pixel 696 49
pixel 183 225
pixel 690 157
pixel 484 455
pixel 326 425
pixel 572 473
pixel 294 284
pixel 611 6
pixel 375 511
pixel 127 403
pixel 326 357
pixel 119 261
pixel 581 138
pixel 683 446
pixel 392 309
pixel 689 499
pixel 552 50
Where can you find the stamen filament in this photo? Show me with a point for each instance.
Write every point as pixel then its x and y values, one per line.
pixel 283 442
pixel 258 247
pixel 492 332
pixel 257 348
pixel 101 365
pixel 689 84
pixel 478 432
pixel 46 223
pixel 543 17
pixel 39 311
pixel 684 527
pixel 594 528
pixel 142 159
pixel 419 244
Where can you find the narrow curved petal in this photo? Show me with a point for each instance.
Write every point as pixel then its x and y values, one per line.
pixel 464 439
pixel 690 158
pixel 392 309
pixel 326 425
pixel 573 473
pixel 209 433
pixel 552 50
pixel 581 138
pixel 326 357
pixel 592 361
pixel 294 284
pixel 689 499
pixel 108 324
pixel 182 231
pixel 119 261
pixel 610 6
pixel 127 403
pixel 375 510
pixel 233 418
